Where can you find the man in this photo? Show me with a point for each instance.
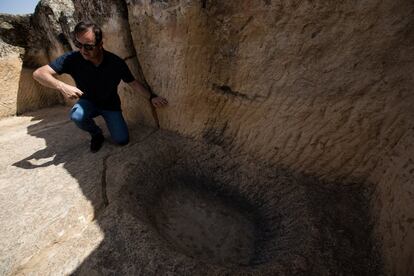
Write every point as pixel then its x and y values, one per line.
pixel 97 74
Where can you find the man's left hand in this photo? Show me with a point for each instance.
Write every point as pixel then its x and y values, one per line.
pixel 159 102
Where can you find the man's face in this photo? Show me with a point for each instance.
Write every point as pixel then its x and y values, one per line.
pixel 88 38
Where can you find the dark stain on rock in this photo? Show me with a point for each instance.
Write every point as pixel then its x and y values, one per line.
pixel 226 90
pixel 268 2
pixel 63 40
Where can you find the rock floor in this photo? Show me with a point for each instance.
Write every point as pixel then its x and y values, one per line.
pixel 166 205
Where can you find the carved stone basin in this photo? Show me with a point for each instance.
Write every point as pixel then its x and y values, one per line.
pixel 204 226
pixel 203 211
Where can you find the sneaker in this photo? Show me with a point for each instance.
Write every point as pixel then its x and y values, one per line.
pixel 96 142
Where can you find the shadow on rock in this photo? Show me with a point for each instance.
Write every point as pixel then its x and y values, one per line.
pixel 165 204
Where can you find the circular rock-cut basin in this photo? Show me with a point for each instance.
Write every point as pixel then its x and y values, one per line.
pixel 192 209
pixel 204 226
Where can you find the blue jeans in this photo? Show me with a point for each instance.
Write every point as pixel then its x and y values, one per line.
pixel 83 113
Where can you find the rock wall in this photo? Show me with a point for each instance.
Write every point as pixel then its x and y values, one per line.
pixel 21 52
pixel 10 68
pixel 318 87
pixel 392 203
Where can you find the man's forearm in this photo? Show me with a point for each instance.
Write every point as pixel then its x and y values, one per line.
pixel 44 75
pixel 47 80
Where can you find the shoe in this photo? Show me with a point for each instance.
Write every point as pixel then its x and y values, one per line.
pixel 96 142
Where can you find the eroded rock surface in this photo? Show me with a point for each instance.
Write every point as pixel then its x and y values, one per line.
pixel 150 207
pixel 10 70
pixel 21 50
pixel 323 88
pixel 317 88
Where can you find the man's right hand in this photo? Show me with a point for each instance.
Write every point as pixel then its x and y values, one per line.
pixel 69 91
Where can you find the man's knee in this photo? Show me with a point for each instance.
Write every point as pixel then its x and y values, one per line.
pixel 121 137
pixel 77 115
pixel 122 141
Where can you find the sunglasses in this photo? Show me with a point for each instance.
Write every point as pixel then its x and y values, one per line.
pixel 88 47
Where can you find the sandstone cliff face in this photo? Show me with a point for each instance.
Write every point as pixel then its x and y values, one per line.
pixel 10 68
pixel 21 51
pixel 322 87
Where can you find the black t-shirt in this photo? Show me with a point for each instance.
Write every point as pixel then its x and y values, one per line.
pixel 98 83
